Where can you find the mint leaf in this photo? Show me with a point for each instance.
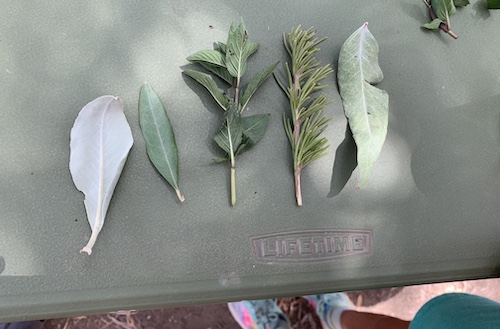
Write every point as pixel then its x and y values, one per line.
pixel 434 25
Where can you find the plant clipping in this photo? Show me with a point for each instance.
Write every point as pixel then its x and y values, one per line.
pixel 228 61
pixel 306 122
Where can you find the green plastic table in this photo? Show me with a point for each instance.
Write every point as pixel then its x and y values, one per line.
pixel 430 213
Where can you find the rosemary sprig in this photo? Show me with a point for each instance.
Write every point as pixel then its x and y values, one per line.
pixel 306 121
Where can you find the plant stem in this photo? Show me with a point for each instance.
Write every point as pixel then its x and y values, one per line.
pixel 233 167
pixel 296 136
pixel 298 189
pixel 237 93
pixel 233 184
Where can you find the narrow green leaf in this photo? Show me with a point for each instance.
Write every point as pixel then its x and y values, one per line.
pixel 366 107
pixel 254 127
pixel 159 136
pixel 257 80
pixel 230 134
pixel 461 3
pixel 493 4
pixel 221 72
pixel 443 9
pixel 434 25
pixel 238 49
pixel 208 56
pixel 208 82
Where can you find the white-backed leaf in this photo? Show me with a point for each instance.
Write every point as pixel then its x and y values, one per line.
pixel 208 56
pixel 159 136
pixel 100 142
pixel 366 107
pixel 208 82
pixel 257 80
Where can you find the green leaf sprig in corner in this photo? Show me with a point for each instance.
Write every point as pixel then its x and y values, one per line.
pixel 440 12
pixel 493 4
pixel 306 122
pixel 228 62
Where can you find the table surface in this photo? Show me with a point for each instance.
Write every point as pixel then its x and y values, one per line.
pixel 429 214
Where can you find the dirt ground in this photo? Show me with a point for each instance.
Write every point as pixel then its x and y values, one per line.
pixel 402 302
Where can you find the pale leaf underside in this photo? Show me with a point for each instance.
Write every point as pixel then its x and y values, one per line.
pixel 100 142
pixel 366 107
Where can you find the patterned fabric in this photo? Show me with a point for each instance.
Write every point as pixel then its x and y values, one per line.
pixel 329 307
pixel 259 314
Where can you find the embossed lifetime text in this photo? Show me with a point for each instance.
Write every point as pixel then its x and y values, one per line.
pixel 310 246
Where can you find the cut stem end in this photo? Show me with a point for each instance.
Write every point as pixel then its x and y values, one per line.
pixel 179 195
pixel 86 250
pixel 298 190
pixel 233 186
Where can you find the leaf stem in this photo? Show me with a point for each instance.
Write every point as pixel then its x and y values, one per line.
pixel 233 184
pixel 298 189
pixel 90 244
pixel 237 92
pixel 179 195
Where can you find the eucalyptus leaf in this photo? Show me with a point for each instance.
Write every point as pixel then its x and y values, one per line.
pixel 434 25
pixel 208 56
pixel 254 127
pixel 159 136
pixel 257 80
pixel 208 82
pixel 366 107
